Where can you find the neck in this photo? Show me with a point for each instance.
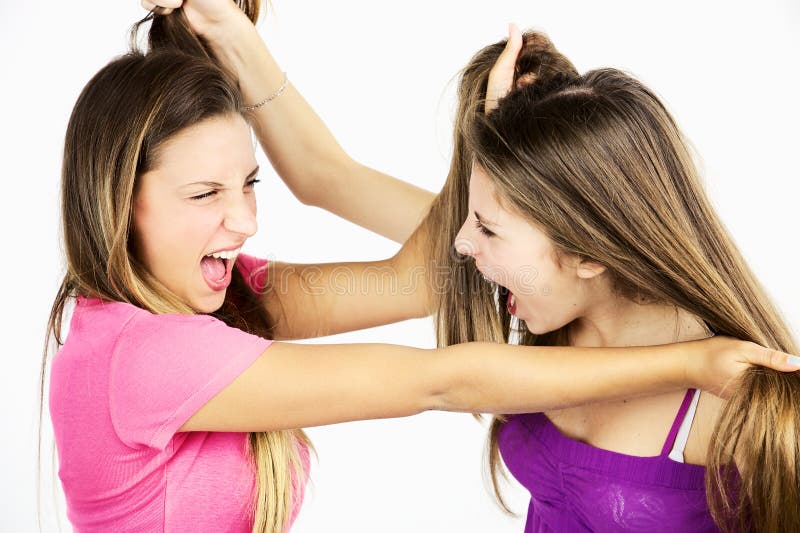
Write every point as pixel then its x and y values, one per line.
pixel 618 322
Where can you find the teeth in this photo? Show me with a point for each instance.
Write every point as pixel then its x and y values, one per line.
pixel 230 254
pixel 513 300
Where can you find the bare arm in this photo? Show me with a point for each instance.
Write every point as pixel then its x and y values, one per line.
pixel 307 157
pixel 299 145
pixel 295 385
pixel 314 300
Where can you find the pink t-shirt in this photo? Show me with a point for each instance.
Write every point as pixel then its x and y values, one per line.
pixel 121 386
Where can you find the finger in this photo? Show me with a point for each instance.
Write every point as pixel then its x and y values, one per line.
pixel 161 7
pixel 152 8
pixel 501 77
pixel 167 4
pixel 508 57
pixel 784 362
pixel 776 360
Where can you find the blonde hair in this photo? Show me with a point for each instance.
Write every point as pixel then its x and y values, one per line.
pixel 121 119
pixel 598 162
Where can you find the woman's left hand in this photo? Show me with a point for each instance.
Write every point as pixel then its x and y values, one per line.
pixel 727 359
pixel 501 77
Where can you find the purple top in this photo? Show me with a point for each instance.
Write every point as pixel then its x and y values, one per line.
pixel 576 487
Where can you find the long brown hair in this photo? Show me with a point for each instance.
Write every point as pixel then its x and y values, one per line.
pixel 597 161
pixel 466 307
pixel 123 115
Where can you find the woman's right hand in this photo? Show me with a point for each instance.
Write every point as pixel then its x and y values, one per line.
pixel 204 16
pixel 725 359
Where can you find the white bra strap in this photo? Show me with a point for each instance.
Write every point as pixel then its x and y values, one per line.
pixel 676 454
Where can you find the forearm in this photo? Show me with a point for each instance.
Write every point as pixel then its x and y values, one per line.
pixel 302 149
pixel 296 140
pixel 376 201
pixel 499 378
pixel 315 300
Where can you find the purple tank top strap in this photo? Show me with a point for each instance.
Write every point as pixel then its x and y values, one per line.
pixel 676 424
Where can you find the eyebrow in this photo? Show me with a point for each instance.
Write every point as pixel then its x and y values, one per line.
pixel 482 221
pixel 217 184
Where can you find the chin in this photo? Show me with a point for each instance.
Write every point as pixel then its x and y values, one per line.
pixel 538 329
pixel 209 304
pixel 533 329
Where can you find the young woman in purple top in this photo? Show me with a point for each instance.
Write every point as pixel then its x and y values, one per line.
pixel 588 178
pixel 580 208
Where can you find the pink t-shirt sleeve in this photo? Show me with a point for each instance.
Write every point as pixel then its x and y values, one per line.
pixel 254 271
pixel 165 367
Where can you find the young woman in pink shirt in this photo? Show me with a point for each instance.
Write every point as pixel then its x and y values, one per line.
pixel 173 406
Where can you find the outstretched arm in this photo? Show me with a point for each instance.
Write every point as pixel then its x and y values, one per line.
pixel 299 145
pixel 296 385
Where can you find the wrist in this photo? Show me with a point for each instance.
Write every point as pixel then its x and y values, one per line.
pixel 703 363
pixel 230 37
pixel 694 360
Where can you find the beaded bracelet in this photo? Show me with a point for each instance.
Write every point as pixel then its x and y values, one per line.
pixel 270 97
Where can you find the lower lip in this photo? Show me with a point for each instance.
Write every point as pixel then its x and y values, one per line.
pixel 222 284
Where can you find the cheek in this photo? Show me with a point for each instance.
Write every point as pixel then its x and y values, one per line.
pixel 536 276
pixel 524 271
pixel 186 225
pixel 165 234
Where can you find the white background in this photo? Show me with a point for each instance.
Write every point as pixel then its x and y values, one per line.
pixel 380 74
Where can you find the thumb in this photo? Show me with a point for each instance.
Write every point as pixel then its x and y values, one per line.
pixel 501 77
pixel 161 7
pixel 774 359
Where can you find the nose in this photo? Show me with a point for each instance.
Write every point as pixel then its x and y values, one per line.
pixel 466 243
pixel 240 217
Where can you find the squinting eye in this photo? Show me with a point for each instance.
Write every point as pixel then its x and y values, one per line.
pixel 483 229
pixel 214 192
pixel 204 195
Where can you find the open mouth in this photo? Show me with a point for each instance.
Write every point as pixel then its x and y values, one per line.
pixel 509 298
pixel 511 303
pixel 216 267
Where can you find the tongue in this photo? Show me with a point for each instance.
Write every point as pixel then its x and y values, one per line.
pixel 213 268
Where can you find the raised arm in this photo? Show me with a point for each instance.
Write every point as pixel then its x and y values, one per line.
pixel 295 385
pixel 299 145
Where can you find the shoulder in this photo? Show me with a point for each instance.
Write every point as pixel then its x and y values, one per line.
pixel 124 329
pixel 95 324
pixel 97 318
pixel 164 367
pixel 709 409
pixel 177 335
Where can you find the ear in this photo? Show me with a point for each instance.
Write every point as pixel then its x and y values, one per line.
pixel 589 269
